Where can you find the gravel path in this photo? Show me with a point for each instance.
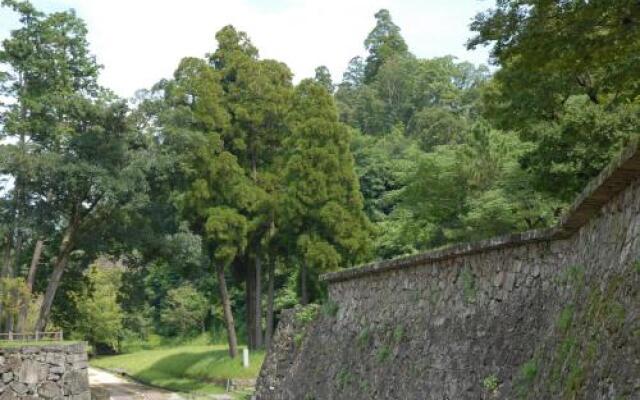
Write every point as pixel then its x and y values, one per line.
pixel 123 389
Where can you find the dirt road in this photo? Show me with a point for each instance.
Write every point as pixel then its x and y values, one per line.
pixel 122 389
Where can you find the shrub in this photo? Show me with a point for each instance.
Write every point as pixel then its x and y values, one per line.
pixel 185 311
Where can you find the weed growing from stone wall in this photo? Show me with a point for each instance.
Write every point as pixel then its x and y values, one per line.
pixel 468 285
pixel 383 353
pixel 306 314
pixel 526 376
pixel 398 334
pixel 364 337
pixel 565 318
pixel 490 383
pixel 330 309
pixel 344 378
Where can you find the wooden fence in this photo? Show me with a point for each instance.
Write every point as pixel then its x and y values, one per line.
pixel 33 336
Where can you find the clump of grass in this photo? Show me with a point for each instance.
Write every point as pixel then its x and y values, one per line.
pixel 573 275
pixel 526 376
pixel 565 319
pixel 468 285
pixel 529 370
pixel 343 378
pixel 330 308
pixel 298 338
pixel 398 334
pixel 383 354
pixel 490 383
pixel 364 337
pixel 306 314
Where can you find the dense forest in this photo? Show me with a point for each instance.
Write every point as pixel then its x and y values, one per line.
pixel 216 198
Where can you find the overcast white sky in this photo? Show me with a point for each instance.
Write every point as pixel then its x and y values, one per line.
pixel 141 41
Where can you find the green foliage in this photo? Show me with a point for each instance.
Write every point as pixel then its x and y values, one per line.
pixel 525 378
pixel 298 338
pixel 565 318
pixel 382 43
pixel 565 89
pixel 490 383
pixel 364 337
pixel 547 56
pixel 398 334
pixel 79 165
pixel 185 310
pixel 305 315
pixel 468 285
pixel 344 378
pixel 383 354
pixel 99 314
pixel 14 293
pixel 323 77
pixel 330 308
pixel 322 208
pixel 574 275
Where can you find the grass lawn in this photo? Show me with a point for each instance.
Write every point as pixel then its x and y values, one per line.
pixel 194 368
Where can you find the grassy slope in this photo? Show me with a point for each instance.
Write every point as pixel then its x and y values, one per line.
pixel 184 368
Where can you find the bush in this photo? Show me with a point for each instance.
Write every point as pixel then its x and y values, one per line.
pixel 185 311
pixel 99 314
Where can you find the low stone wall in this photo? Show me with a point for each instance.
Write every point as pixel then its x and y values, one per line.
pixel 550 314
pixel 50 371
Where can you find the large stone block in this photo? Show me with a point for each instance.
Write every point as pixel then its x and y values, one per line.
pixel 32 372
pixel 19 388
pixel 50 390
pixel 8 395
pixel 7 377
pixel 82 396
pixel 57 359
pixel 75 382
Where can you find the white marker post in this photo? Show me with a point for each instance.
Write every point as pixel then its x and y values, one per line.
pixel 245 357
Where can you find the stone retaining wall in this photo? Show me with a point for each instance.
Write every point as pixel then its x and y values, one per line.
pixel 51 371
pixel 550 314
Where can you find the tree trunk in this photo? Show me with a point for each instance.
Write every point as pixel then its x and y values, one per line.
pixel 6 262
pixel 59 264
pixel 269 330
pixel 258 302
pixel 33 269
pixel 228 316
pixel 250 303
pixel 6 258
pixel 304 293
pixel 10 322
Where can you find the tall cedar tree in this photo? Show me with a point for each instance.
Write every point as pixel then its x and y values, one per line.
pixel 322 207
pixel 257 98
pixel 382 43
pixel 215 193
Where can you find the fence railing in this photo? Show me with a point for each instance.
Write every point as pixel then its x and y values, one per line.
pixel 32 336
